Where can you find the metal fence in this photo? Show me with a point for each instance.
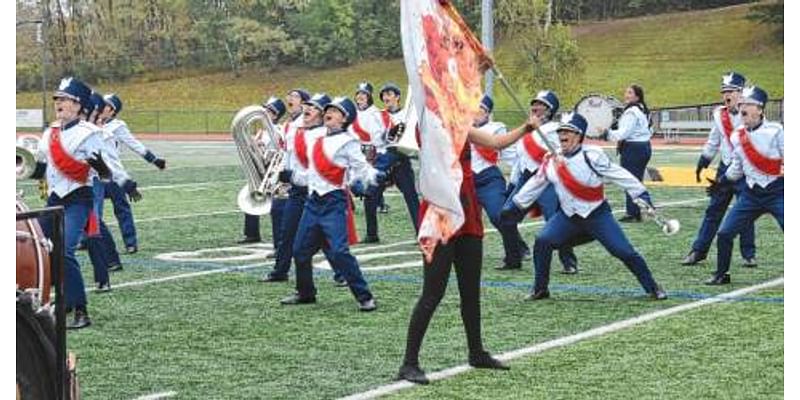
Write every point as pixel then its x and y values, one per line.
pixel 667 118
pixel 218 121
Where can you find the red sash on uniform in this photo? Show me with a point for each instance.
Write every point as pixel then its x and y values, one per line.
pixel 533 149
pixel 73 169
pixel 300 148
pixel 727 124
pixel 326 168
pixel 362 134
pixel 577 188
pixel 488 154
pixel 386 118
pixel 768 166
pixel 335 175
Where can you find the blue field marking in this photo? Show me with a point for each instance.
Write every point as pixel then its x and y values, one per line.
pixel 581 289
pixel 155 264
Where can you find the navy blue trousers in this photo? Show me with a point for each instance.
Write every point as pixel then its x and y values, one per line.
pixel 292 211
pixel 398 166
pixel 749 205
pixel 548 203
pixel 491 189
pixel 252 223
pixel 634 158
pixel 123 212
pixel 324 225
pixel 600 225
pixel 77 206
pixel 717 207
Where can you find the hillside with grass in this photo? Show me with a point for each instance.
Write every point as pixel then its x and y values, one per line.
pixel 678 58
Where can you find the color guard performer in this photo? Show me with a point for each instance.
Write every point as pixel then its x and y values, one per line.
pixel 758 158
pixel 464 250
pixel 577 174
pixel 726 118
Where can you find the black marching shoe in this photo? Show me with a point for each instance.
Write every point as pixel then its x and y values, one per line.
pixel 631 218
pixel 103 287
pixel 384 209
pixel 658 294
pixel 273 278
pixel 114 268
pixel 297 299
pixel 717 280
pixel 570 270
pixel 506 266
pixel 131 249
pixel 538 295
pixel 693 258
pixel 750 262
pixel 412 373
pixel 81 320
pixel 249 239
pixel 370 239
pixel 485 360
pixel 340 283
pixel 367 305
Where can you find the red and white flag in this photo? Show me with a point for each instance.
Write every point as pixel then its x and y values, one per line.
pixel 442 59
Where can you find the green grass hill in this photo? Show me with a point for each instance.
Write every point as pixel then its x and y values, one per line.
pixel 678 58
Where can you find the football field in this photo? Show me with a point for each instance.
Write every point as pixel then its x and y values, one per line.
pixel 188 319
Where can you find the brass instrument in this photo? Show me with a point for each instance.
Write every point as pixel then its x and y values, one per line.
pixel 261 163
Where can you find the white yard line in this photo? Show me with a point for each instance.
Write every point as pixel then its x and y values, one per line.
pixel 158 396
pixel 355 250
pixel 181 185
pixel 184 276
pixel 572 339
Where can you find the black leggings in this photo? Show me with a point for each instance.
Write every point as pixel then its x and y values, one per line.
pixel 466 252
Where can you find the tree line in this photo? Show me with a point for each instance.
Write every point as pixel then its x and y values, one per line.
pixel 102 40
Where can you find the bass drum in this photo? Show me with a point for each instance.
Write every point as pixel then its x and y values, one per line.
pixel 600 112
pixel 33 257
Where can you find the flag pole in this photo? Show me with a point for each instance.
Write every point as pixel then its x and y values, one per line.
pixel 478 48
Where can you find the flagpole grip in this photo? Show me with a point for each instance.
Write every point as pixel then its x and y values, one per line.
pixel 521 108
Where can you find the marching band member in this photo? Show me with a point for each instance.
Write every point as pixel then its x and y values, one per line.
pixel 275 109
pixel 758 158
pixel 73 154
pixel 464 250
pixel 298 141
pixel 123 135
pixel 726 118
pixel 397 166
pixel 325 222
pixel 110 260
pixel 490 185
pixel 633 143
pixel 369 126
pixel 530 154
pixel 577 174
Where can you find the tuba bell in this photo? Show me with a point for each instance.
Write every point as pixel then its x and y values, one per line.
pixel 261 164
pixel 27 146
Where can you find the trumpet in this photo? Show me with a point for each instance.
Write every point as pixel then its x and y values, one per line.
pixel 261 164
pixel 668 226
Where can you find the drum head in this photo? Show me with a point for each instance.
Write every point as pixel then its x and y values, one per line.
pixel 599 113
